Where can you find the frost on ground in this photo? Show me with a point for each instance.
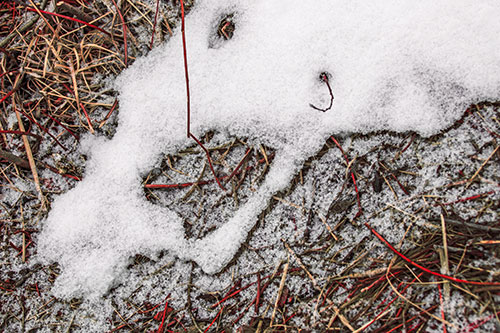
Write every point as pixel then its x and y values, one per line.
pixel 405 182
pixel 392 65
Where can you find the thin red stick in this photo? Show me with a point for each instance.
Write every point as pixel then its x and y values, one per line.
pixel 43 129
pixel 442 307
pixel 209 161
pixel 477 196
pixel 154 24
pixel 235 171
pixel 257 298
pixel 218 313
pixel 68 18
pixel 8 95
pixel 389 304
pixel 38 290
pixel 413 318
pixel 478 323
pixel 186 73
pixel 124 28
pixel 59 123
pixel 113 107
pixel 160 329
pixel 88 118
pixel 188 97
pixel 402 256
pixel 21 133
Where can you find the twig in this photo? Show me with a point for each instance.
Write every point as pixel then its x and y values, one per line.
pixel 402 256
pixel 188 98
pixel 40 11
pixel 481 167
pixel 31 160
pixel 154 24
pixel 324 77
pixel 280 290
pixel 124 28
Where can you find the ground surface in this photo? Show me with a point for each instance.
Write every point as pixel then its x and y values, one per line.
pixel 310 262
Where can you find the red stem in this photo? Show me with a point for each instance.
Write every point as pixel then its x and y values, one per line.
pixel 160 329
pixel 87 116
pixel 21 133
pixel 188 97
pixel 59 123
pixel 124 28
pixel 442 307
pixel 186 73
pixel 218 313
pixel 209 161
pixel 154 24
pixel 68 18
pixel 402 256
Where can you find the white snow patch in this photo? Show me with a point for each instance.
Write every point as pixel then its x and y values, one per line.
pixel 398 65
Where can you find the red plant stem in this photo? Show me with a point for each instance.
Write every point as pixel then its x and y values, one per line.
pixel 68 18
pixel 160 329
pixel 251 284
pixel 186 73
pixel 389 304
pixel 113 107
pixel 146 311
pixel 257 298
pixel 43 129
pixel 478 323
pixel 88 118
pixel 409 143
pixel 360 211
pixel 324 78
pixel 124 28
pixel 7 95
pixel 413 318
pixel 21 133
pixel 477 196
pixel 402 256
pixel 231 295
pixel 244 311
pixel 188 97
pixel 209 161
pixel 9 72
pixel 400 185
pixel 59 123
pixel 218 313
pixel 55 170
pixel 378 281
pixel 414 327
pixel 6 289
pixel 154 24
pixel 37 290
pixel 239 165
pixel 442 307
pixel 293 315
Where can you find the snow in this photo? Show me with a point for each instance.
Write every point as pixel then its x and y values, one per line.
pixel 396 65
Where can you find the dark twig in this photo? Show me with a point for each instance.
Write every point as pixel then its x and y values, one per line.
pixel 324 77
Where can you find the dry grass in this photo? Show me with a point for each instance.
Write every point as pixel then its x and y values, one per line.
pixel 53 89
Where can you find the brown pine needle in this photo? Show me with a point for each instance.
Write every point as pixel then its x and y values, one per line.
pixel 280 290
pixel 481 167
pixel 31 160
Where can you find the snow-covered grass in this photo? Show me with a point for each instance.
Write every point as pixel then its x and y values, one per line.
pixel 285 245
